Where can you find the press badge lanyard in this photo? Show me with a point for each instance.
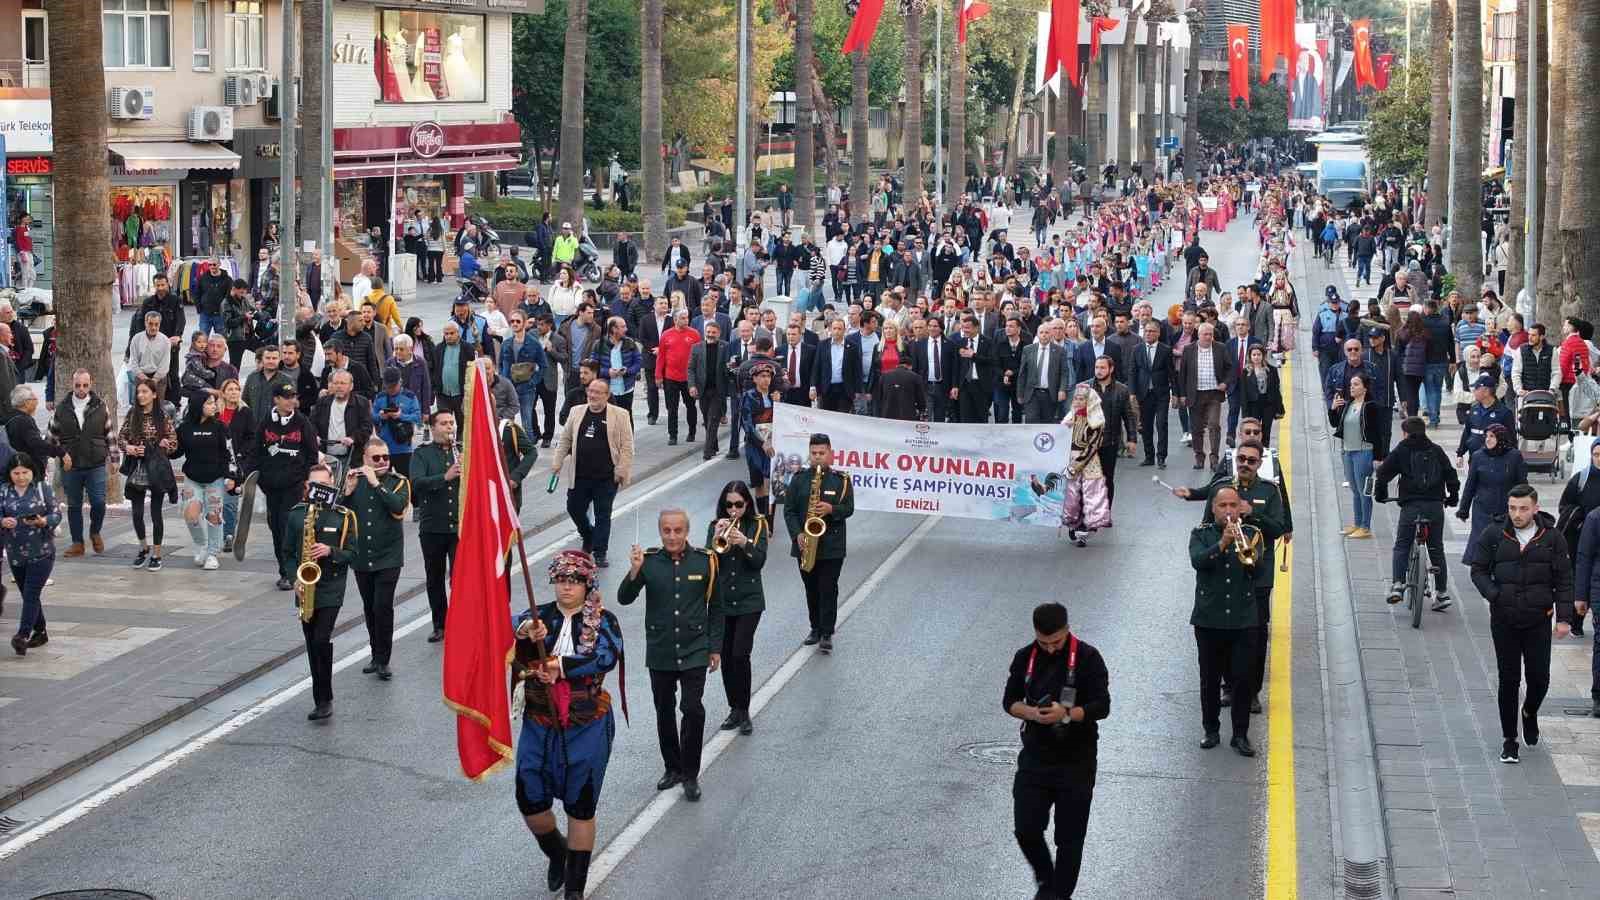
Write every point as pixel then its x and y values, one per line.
pixel 1072 663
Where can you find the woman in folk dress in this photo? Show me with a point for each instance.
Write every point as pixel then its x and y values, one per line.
pixel 1085 507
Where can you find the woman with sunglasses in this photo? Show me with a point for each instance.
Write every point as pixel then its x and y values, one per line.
pixel 378 496
pixel 745 532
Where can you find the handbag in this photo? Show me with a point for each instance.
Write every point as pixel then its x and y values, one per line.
pixel 139 474
pixel 522 372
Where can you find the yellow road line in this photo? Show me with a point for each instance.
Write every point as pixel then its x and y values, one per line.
pixel 1282 856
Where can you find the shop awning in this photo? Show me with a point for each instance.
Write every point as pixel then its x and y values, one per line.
pixel 151 156
pixel 440 165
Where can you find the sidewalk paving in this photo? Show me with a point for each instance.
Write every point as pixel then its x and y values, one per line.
pixel 1459 822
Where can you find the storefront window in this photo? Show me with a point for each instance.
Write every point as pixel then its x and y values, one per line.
pixel 143 217
pixel 430 57
pixel 207 225
pixel 31 194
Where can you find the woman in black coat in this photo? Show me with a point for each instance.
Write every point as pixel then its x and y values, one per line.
pixel 1263 393
pixel 1492 472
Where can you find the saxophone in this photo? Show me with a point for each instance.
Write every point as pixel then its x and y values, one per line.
pixel 815 526
pixel 308 573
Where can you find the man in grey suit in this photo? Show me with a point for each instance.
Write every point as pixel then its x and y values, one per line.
pixel 1043 383
pixel 708 382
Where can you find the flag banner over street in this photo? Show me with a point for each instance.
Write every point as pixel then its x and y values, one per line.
pixel 1004 473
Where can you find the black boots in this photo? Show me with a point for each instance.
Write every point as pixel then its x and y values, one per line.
pixel 554 847
pixel 577 873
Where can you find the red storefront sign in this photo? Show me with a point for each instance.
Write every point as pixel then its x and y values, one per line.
pixel 426 148
pixel 29 165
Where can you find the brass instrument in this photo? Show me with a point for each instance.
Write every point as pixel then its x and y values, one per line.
pixel 725 528
pixel 1246 541
pixel 815 526
pixel 309 572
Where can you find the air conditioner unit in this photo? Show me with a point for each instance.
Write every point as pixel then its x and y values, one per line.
pixel 275 99
pixel 132 103
pixel 240 90
pixel 264 87
pixel 211 123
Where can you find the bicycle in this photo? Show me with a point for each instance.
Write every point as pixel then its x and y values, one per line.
pixel 1420 570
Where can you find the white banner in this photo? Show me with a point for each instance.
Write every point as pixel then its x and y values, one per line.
pixel 1005 473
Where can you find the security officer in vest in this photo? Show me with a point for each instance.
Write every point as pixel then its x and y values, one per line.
pixel 378 495
pixel 436 482
pixel 332 548
pixel 835 504
pixel 520 455
pixel 1266 510
pixel 1224 616
pixel 683 639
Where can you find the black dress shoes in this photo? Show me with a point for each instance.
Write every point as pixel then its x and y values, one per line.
pixel 369 668
pixel 437 636
pixel 731 722
pixel 746 727
pixel 384 674
pixel 1241 746
pixel 691 790
pixel 1148 462
pixel 811 638
pixel 38 639
pixel 1210 740
pixel 668 779
pixel 827 644
pixel 322 711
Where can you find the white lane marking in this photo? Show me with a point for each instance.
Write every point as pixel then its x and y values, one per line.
pixel 607 860
pixel 82 807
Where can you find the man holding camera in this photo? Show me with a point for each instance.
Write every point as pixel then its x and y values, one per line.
pixel 1060 689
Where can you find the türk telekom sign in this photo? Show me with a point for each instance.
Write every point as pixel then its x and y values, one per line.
pixel 25 120
pixel 427 139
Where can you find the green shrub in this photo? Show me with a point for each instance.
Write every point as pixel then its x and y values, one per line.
pixel 519 214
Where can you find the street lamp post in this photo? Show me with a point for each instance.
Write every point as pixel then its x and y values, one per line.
pixel 742 150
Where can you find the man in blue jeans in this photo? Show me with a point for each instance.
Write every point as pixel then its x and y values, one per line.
pixel 1428 484
pixel 597 439
pixel 1441 358
pixel 84 426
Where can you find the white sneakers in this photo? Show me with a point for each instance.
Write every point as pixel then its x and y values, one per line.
pixel 211 564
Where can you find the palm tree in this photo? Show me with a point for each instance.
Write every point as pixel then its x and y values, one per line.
pixel 860 153
pixel 654 174
pixel 1127 124
pixel 912 121
pixel 1549 290
pixel 805 186
pixel 1439 115
pixel 573 61
pixel 1196 17
pixel 1518 164
pixel 83 304
pixel 956 178
pixel 1580 171
pixel 1094 129
pixel 1154 16
pixel 1061 162
pixel 1466 200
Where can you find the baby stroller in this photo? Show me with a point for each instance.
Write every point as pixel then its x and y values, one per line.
pixel 1540 432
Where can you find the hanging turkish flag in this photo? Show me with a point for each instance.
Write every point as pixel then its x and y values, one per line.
pixel 1381 73
pixel 1239 64
pixel 1362 29
pixel 1099 25
pixel 1277 35
pixel 863 26
pixel 971 11
pixel 1062 50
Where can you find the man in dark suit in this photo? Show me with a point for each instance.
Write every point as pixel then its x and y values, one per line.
pixel 1239 354
pixel 708 313
pixel 1009 346
pixel 1150 380
pixel 708 382
pixel 1044 380
pixel 901 394
pixel 741 347
pixel 930 359
pixel 974 376
pixel 1122 419
pixel 796 357
pixel 1205 376
pixel 1098 344
pixel 650 329
pixel 835 371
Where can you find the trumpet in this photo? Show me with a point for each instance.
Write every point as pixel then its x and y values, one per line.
pixel 721 543
pixel 1246 541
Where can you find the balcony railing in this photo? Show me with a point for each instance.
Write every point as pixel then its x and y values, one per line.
pixel 24 73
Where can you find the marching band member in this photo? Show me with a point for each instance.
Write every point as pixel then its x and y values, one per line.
pixel 744 532
pixel 564 651
pixel 378 495
pixel 332 536
pixel 1224 617
pixel 436 481
pixel 834 504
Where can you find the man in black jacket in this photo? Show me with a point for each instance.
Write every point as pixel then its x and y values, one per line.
pixel 344 419
pixel 1059 687
pixel 1122 421
pixel 1428 483
pixel 1523 568
pixel 1150 382
pixel 170 306
pixel 624 255
pixel 209 291
pixel 973 379
pixel 83 425
pixel 931 358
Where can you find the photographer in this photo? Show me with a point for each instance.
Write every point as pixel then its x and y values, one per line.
pixel 1059 688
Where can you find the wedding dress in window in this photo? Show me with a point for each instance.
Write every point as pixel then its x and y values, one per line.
pixel 461 79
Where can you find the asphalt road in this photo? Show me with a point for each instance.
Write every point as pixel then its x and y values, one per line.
pixel 883 770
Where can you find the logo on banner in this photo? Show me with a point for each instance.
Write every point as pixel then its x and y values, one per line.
pixel 923 427
pixel 1044 442
pixel 427 139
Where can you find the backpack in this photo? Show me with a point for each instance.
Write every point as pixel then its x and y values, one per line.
pixel 1423 471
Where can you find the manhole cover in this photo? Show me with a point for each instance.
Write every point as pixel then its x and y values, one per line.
pixel 95 894
pixel 994 753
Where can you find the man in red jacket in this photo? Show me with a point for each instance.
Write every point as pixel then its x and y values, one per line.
pixel 1573 355
pixel 672 370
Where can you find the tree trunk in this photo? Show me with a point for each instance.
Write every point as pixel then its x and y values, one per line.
pixel 1580 198
pixel 315 202
pixel 805 186
pixel 1127 100
pixel 83 307
pixel 1439 121
pixel 1191 108
pixel 956 177
pixel 830 128
pixel 1518 164
pixel 1466 202
pixel 1014 122
pixel 860 152
pixel 573 60
pixel 1094 129
pixel 1147 121
pixel 1061 162
pixel 912 124
pixel 653 172
pixel 1548 305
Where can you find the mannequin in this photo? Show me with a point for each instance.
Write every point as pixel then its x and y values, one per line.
pixel 398 51
pixel 461 81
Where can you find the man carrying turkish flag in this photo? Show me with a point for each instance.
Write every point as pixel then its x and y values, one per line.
pixel 1365 77
pixel 1238 65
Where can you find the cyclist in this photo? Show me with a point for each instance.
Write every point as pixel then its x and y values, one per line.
pixel 1428 483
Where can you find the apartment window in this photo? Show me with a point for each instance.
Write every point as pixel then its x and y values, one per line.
pixel 138 34
pixel 247 35
pixel 202 36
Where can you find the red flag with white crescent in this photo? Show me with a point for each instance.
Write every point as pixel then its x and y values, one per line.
pixel 863 26
pixel 1239 64
pixel 1365 76
pixel 971 11
pixel 1062 50
pixel 1381 72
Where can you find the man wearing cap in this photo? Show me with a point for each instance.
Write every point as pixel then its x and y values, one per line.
pixel 835 504
pixel 681 280
pixel 1059 687
pixel 287 451
pixel 565 248
pixel 1485 412
pixel 396 416
pixel 1325 332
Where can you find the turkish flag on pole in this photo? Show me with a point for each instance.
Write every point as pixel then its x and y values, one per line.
pixel 478 644
pixel 1062 50
pixel 1381 73
pixel 1362 29
pixel 971 11
pixel 1239 64
pixel 863 26
pixel 1100 24
pixel 1277 35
